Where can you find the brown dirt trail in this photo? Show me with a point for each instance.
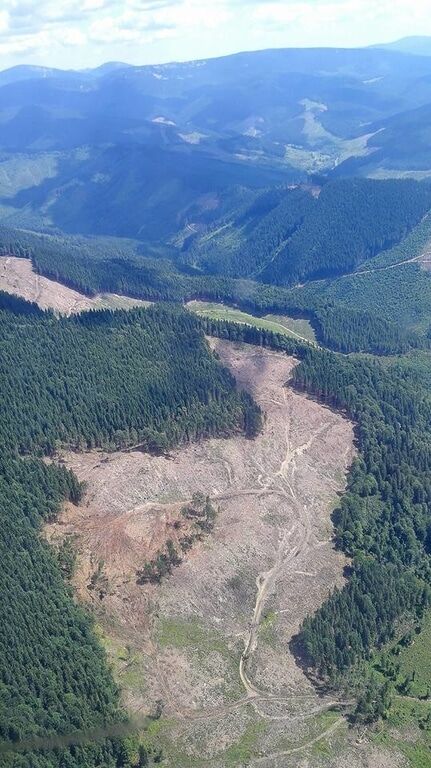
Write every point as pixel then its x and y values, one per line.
pixel 202 640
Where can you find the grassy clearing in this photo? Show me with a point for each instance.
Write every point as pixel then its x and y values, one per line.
pixel 294 326
pixel 246 747
pixel 126 662
pixel 317 725
pixel 116 651
pixel 308 160
pixel 406 732
pixel 416 660
pixel 283 324
pixel 268 629
pixel 201 643
pixel 179 633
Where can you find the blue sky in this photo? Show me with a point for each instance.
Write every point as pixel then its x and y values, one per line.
pixel 83 33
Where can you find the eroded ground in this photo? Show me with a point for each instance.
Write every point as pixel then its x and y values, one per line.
pixel 17 276
pixel 212 641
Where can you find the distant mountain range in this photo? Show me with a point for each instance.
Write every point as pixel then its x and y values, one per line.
pixel 146 151
pixel 417 45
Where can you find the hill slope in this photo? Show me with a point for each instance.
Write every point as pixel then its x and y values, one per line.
pixel 144 151
pixel 303 237
pixel 100 379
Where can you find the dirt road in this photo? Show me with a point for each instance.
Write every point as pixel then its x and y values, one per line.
pixel 212 641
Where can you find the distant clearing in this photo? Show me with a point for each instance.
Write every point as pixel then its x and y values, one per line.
pixel 323 149
pixel 212 640
pixel 19 172
pixel 288 326
pixel 17 276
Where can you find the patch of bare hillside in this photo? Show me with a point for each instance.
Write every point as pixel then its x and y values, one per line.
pixel 211 641
pixel 18 277
pixel 425 258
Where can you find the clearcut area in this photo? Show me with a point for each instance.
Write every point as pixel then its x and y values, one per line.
pixel 17 277
pixel 209 645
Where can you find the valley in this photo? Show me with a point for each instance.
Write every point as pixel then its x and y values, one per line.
pixel 215 535
pixel 211 642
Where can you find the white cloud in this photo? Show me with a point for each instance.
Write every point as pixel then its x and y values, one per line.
pixel 93 5
pixel 109 30
pixel 4 21
pixel 46 30
pixel 74 37
pixel 31 24
pixel 329 15
pixel 192 13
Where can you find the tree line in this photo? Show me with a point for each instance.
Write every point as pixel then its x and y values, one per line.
pixel 289 236
pixel 339 322
pixel 102 379
pixel 382 522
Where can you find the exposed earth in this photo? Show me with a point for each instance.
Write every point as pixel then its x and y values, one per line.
pixel 17 276
pixel 210 644
pixel 209 647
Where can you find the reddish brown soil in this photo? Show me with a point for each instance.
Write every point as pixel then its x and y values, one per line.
pixel 271 553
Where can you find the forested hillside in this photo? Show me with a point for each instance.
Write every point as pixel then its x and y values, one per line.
pixel 393 285
pixel 243 245
pixel 337 325
pixel 103 379
pixel 304 237
pixel 112 379
pixel 382 521
pixel 353 220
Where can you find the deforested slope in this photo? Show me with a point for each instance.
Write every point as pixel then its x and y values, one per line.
pixel 210 640
pixel 104 379
pixel 18 277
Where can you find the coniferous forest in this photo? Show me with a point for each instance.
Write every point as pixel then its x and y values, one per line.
pixel 102 379
pixel 282 182
pixel 382 522
pixel 92 268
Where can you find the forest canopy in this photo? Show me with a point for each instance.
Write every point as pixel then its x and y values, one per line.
pixel 102 379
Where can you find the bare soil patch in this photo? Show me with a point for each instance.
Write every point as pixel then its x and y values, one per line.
pixel 17 276
pixel 425 258
pixel 212 641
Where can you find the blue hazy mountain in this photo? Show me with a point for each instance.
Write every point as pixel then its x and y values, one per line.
pixel 419 45
pixel 217 127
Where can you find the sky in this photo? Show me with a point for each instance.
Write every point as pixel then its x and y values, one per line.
pixel 85 33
